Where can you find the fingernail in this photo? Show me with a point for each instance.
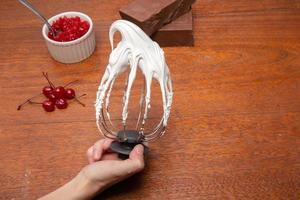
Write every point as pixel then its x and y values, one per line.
pixel 96 155
pixel 106 143
pixel 139 149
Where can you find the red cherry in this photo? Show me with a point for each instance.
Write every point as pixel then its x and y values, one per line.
pixel 48 106
pixel 47 90
pixel 52 97
pixel 68 28
pixel 70 93
pixel 61 103
pixel 59 92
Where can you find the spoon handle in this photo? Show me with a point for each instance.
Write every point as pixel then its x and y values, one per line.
pixel 35 11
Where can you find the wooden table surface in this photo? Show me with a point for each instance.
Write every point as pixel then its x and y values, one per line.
pixel 235 123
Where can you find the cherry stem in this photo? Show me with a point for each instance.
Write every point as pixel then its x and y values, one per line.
pixel 70 83
pixel 77 99
pixel 33 102
pixel 27 101
pixel 46 76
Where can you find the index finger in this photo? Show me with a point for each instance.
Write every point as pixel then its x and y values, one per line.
pixel 98 149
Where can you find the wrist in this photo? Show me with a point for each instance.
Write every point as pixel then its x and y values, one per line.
pixel 83 187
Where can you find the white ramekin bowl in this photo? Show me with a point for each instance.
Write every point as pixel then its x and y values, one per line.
pixel 73 51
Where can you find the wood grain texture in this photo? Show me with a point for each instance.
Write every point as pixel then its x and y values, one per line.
pixel 234 131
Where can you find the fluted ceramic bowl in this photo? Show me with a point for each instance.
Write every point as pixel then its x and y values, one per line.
pixel 72 51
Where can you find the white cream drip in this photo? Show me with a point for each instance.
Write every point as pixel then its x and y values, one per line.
pixel 135 50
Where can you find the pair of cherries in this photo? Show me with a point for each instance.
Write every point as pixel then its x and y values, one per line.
pixel 56 96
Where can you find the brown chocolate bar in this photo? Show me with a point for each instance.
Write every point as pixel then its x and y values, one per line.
pixel 177 33
pixel 151 15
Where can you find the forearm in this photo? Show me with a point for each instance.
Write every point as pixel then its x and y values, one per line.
pixel 79 188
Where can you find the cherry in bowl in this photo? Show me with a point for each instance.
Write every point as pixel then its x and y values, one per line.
pixel 68 29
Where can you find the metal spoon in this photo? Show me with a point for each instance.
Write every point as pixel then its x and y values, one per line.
pixel 35 11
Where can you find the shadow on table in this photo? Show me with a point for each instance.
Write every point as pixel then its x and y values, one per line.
pixel 127 186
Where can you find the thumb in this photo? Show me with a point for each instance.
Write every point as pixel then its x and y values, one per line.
pixel 135 162
pixel 137 153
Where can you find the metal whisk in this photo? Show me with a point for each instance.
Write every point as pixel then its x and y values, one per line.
pixel 135 50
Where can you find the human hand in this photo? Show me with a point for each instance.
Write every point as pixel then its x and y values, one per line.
pixel 106 169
